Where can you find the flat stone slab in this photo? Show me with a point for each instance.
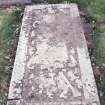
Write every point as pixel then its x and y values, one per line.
pixel 52 65
pixel 13 2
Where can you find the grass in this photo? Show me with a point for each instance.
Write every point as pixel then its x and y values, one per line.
pixel 9 21
pixel 99 40
pixel 96 10
pixel 103 79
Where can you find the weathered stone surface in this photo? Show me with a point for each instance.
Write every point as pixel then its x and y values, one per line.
pixel 13 102
pixel 11 2
pixel 52 65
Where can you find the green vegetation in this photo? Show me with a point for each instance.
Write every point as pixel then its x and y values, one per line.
pixel 97 10
pixel 99 40
pixel 55 1
pixel 103 79
pixel 9 22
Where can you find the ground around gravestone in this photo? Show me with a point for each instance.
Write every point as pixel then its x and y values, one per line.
pixel 13 2
pixel 10 22
pixel 52 65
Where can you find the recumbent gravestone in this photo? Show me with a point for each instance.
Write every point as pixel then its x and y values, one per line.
pixel 52 65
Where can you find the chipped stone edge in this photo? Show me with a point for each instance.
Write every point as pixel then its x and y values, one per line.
pixel 89 84
pixel 19 64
